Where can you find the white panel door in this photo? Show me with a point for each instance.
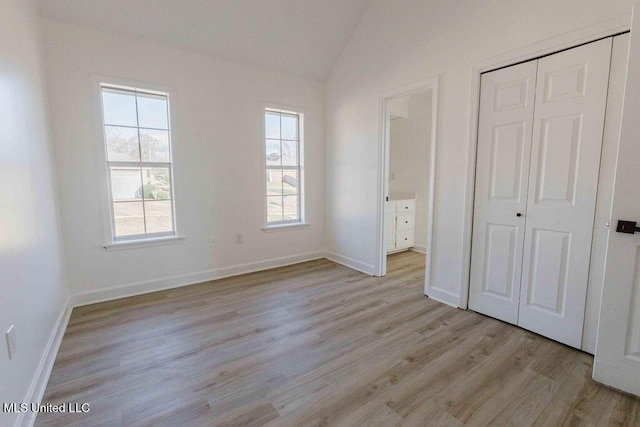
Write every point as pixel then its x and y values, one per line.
pixel 504 144
pixel 571 94
pixel 617 359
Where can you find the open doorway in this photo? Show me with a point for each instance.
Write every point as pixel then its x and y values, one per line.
pixel 408 147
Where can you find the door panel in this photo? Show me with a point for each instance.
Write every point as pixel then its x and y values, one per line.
pixel 504 144
pixel 557 169
pixel 549 268
pixel 499 275
pixel 506 162
pixel 571 94
pixel 617 358
pixel 565 83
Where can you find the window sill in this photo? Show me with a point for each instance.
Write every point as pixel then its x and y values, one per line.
pixel 285 227
pixel 146 243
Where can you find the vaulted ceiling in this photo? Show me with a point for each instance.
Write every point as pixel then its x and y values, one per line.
pixel 298 37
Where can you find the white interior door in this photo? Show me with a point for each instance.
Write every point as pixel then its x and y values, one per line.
pixel 617 358
pixel 504 144
pixel 571 94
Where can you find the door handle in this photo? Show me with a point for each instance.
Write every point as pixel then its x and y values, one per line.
pixel 628 227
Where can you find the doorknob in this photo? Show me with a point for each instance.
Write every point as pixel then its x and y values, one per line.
pixel 628 227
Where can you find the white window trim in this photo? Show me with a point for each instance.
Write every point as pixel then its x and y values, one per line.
pixel 106 211
pixel 291 225
pixel 285 226
pixel 143 243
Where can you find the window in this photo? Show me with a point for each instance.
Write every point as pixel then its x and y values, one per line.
pixel 283 145
pixel 137 141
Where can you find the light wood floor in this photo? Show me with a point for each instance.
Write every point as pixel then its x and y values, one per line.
pixel 318 344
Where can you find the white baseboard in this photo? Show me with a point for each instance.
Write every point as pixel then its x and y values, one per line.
pixel 43 372
pixel 443 296
pixel 160 284
pixel 351 263
pixel 419 248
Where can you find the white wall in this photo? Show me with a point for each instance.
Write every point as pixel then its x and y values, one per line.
pixel 399 43
pixel 32 280
pixel 409 154
pixel 218 154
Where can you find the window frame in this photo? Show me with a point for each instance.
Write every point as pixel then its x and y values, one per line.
pixel 302 220
pixel 114 242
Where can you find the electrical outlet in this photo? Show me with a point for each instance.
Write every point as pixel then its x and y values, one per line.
pixel 11 341
pixel 212 242
pixel 238 239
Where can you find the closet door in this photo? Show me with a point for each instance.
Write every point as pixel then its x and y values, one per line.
pixel 504 143
pixel 571 93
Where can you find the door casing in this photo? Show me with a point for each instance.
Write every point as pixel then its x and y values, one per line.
pixel 383 168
